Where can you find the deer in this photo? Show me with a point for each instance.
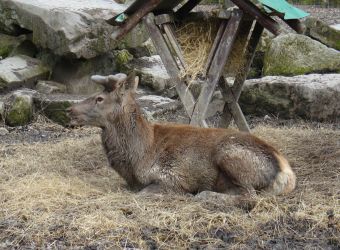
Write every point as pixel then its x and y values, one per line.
pixel 156 158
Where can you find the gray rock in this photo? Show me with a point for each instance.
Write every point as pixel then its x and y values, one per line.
pixel 19 107
pixel 154 105
pixel 21 71
pixel 3 131
pixel 145 49
pixel 65 26
pixel 293 54
pixel 322 32
pixel 8 44
pixel 314 96
pixel 2 109
pixel 50 87
pixel 54 106
pixel 76 73
pixel 152 72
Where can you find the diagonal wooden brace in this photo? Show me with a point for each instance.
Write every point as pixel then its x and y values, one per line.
pixel 217 65
pixel 170 65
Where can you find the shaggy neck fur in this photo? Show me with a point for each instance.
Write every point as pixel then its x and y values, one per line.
pixel 127 141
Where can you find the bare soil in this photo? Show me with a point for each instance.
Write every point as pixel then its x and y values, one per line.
pixel 57 192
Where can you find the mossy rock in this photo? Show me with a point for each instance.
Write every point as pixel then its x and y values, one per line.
pixel 122 58
pixel 322 32
pixel 19 109
pixel 8 44
pixel 56 111
pixel 293 54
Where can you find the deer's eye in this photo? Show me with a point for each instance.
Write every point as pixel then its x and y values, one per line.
pixel 99 99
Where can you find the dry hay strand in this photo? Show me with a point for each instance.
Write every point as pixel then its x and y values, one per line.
pixel 63 195
pixel 195 40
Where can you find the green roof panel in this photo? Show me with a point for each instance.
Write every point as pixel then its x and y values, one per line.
pixel 282 6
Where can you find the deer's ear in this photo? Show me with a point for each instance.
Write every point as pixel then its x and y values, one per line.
pixel 132 82
pixel 111 82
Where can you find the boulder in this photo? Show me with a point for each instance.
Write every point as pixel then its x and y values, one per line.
pixel 20 71
pixel 66 27
pixel 54 106
pixel 154 105
pixel 294 54
pixel 3 131
pixel 314 96
pixel 152 73
pixel 19 107
pixel 76 73
pixel 322 32
pixel 50 87
pixel 2 109
pixel 8 44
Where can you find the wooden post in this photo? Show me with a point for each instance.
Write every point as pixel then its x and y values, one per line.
pixel 233 93
pixel 186 8
pixel 263 19
pixel 216 68
pixel 134 19
pixel 170 65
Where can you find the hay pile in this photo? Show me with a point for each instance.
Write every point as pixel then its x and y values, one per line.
pixel 196 40
pixel 61 194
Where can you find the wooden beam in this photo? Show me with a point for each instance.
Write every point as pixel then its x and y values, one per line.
pixel 217 66
pixel 170 65
pixel 263 19
pixel 236 89
pixel 216 42
pixel 134 19
pixel 186 8
pixel 172 39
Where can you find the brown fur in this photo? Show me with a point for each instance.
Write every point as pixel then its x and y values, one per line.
pixel 179 158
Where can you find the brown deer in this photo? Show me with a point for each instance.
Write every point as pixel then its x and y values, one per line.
pixel 178 158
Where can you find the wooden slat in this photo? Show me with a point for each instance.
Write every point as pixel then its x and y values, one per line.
pixel 233 94
pixel 213 49
pixel 263 19
pixel 186 8
pixel 170 65
pixel 172 39
pixel 217 66
pixel 134 19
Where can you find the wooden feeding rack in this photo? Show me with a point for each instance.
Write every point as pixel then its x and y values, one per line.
pixel 247 21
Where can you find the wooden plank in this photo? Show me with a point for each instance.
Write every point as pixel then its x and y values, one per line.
pixel 186 8
pixel 236 89
pixel 134 19
pixel 213 49
pixel 170 65
pixel 263 19
pixel 164 18
pixel 217 66
pixel 172 39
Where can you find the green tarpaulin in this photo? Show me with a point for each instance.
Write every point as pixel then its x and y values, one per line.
pixel 289 11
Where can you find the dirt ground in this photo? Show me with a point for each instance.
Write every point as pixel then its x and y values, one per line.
pixel 57 192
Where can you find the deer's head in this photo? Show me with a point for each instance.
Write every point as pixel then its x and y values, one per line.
pixel 115 102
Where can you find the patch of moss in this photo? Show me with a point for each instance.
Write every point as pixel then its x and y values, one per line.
pixel 122 57
pixel 257 101
pixel 20 112
pixel 56 111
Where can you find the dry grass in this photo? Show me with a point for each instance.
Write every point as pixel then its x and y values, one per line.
pixel 63 195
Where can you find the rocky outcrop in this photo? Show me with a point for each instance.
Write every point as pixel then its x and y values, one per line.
pixel 293 54
pixel 9 43
pixel 322 32
pixel 50 87
pixel 314 96
pixel 66 27
pixel 152 72
pixel 18 108
pixel 19 71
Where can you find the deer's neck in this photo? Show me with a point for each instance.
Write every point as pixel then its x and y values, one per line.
pixel 127 141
